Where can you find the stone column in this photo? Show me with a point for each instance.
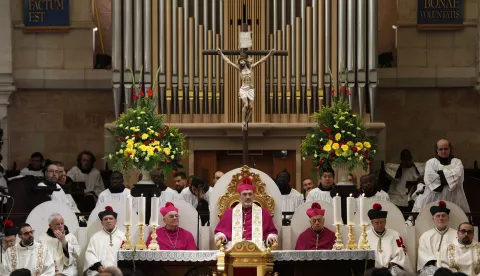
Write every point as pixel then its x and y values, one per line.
pixel 7 85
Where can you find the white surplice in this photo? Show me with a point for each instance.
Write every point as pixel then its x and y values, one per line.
pixel 63 198
pixel 189 197
pixel 380 195
pixel 430 246
pixel 453 192
pixel 389 249
pixel 398 190
pixel 66 265
pixel 36 258
pixel 318 194
pixel 103 247
pixel 462 258
pixel 27 171
pixel 291 202
pixel 93 180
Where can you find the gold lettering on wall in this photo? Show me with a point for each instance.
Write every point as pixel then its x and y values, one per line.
pixel 440 14
pixel 38 8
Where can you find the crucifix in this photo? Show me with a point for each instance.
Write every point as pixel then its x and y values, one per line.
pixel 245 65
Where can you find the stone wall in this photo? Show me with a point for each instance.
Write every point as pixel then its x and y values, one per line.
pixel 58 123
pixel 417 117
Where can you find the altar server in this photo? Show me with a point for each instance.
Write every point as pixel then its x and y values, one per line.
pixel 463 254
pixel 390 251
pixel 103 246
pixel 317 237
pixel 324 190
pixel 246 221
pixel 434 240
pixel 173 237
pixel 28 254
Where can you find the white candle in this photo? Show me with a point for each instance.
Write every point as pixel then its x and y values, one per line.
pixel 363 210
pixel 154 211
pixel 337 210
pixel 350 210
pixel 141 209
pixel 128 210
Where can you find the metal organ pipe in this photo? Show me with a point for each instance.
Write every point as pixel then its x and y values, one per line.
pixel 161 37
pixel 185 36
pixel 117 54
pixel 342 34
pixel 361 53
pixel 174 38
pixel 303 27
pixel 372 54
pixel 351 50
pixel 147 43
pixel 138 58
pixel 128 49
pixel 328 49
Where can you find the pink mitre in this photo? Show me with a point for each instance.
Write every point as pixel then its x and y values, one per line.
pixel 169 207
pixel 246 184
pixel 316 210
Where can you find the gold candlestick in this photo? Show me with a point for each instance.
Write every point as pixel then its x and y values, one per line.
pixel 351 239
pixel 153 243
pixel 338 242
pixel 141 243
pixel 363 241
pixel 127 245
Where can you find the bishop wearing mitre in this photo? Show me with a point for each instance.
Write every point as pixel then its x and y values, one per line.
pixel 246 221
pixel 103 246
pixel 390 251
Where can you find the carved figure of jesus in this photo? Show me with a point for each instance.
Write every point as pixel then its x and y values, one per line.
pixel 247 92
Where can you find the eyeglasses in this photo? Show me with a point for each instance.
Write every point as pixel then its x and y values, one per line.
pixel 463 231
pixel 28 233
pixel 173 216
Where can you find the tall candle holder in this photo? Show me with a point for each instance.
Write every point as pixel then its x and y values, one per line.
pixel 127 245
pixel 352 245
pixel 338 242
pixel 363 241
pixel 141 245
pixel 153 243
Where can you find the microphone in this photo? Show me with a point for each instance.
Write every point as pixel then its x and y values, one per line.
pixel 7 196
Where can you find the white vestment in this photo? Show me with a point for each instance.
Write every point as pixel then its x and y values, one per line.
pixel 398 190
pixel 108 196
pixel 26 171
pixel 291 201
pixel 453 192
pixel 63 198
pixel 63 264
pixel 3 184
pixel 36 258
pixel 169 195
pixel 460 258
pixel 380 195
pixel 93 180
pixel 430 246
pixel 317 194
pixel 103 247
pixel 189 197
pixel 389 249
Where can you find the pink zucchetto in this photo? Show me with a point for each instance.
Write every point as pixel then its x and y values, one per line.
pixel 315 210
pixel 246 184
pixel 168 208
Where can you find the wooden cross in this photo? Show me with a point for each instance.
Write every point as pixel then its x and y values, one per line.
pixel 246 52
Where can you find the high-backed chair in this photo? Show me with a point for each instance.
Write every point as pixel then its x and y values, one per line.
pixel 424 221
pixel 225 195
pixel 300 220
pixel 38 217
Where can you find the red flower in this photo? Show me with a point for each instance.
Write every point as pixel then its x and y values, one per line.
pixel 370 162
pixel 349 93
pixel 123 138
pixel 340 144
pixel 142 94
pixel 377 207
pixel 366 151
pixel 331 158
pixel 355 149
pixel 333 152
pixel 320 162
pixel 330 137
pixel 341 89
pixel 316 169
pixel 328 130
pixel 168 161
pixel 155 150
pixel 133 91
pixel 125 160
pixel 150 92
pixel 116 139
pixel 135 97
pixel 333 92
pixel 145 143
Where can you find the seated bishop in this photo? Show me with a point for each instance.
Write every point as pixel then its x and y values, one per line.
pixel 463 254
pixel 434 240
pixel 317 237
pixel 28 254
pixel 246 221
pixel 103 246
pixel 62 244
pixel 172 237
pixel 9 239
pixel 390 251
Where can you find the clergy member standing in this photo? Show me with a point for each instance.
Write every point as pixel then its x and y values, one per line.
pixel 324 190
pixel 246 221
pixel 390 252
pixel 50 180
pixel 116 192
pixel 103 246
pixel 198 195
pixel 173 237
pixel 29 254
pixel 463 254
pixel 62 244
pixel 434 240
pixel 317 237
pixel 291 198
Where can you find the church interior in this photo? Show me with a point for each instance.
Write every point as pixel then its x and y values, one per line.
pixel 241 84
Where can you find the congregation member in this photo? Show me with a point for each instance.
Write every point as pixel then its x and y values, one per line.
pixel 369 188
pixel 35 166
pixel 444 176
pixel 198 195
pixel 324 190
pixel 62 244
pixel 291 198
pixel 317 237
pixel 216 177
pixel 165 193
pixel 50 180
pixel 243 221
pixel 390 251
pixel 103 246
pixel 85 172
pixel 64 181
pixel 307 186
pixel 171 236
pixel 463 254
pixel 434 240
pixel 180 180
pixel 28 254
